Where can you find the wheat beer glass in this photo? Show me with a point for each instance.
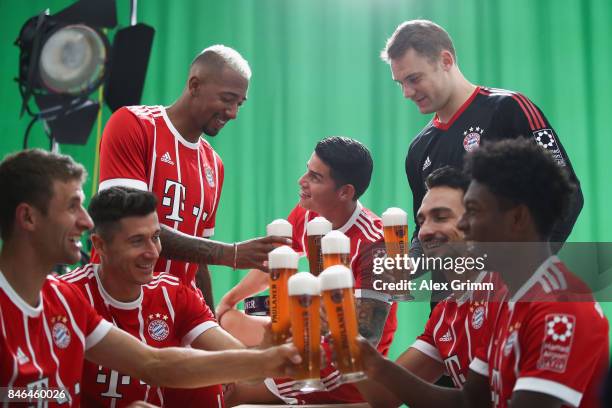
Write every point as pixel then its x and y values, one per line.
pixel 304 304
pixel 336 284
pixel 395 229
pixel 280 228
pixel 336 249
pixel 282 264
pixel 315 230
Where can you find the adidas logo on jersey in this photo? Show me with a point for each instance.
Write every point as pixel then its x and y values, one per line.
pixel 427 163
pixel 21 357
pixel 167 159
pixel 447 337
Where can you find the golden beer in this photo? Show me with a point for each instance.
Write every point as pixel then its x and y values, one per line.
pixel 336 249
pixel 315 230
pixel 304 304
pixel 336 285
pixel 280 228
pixel 282 263
pixel 395 230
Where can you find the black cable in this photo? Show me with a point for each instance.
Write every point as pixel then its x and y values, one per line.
pixel 27 132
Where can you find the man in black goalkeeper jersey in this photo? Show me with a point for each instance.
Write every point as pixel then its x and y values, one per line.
pixel 423 62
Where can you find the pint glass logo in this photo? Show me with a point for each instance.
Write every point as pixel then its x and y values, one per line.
pixel 158 328
pixel 274 274
pixel 305 300
pixel 336 296
pixel 60 332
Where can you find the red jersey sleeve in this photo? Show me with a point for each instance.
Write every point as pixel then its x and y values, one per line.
pixel 297 219
pixel 561 347
pixel 123 157
pixel 209 224
pixel 426 342
pixel 193 316
pixel 94 326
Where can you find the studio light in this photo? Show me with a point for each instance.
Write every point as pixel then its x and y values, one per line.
pixel 66 56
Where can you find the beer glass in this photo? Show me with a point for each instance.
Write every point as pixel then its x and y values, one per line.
pixel 336 283
pixel 336 249
pixel 304 304
pixel 395 230
pixel 279 227
pixel 282 264
pixel 315 230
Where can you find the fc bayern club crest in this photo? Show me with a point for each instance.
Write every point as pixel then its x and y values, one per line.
pixel 60 332
pixel 158 328
pixel 209 176
pixel 471 139
pixel 478 317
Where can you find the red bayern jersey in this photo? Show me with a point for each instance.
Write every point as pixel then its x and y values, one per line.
pixel 141 148
pixel 44 346
pixel 364 229
pixel 550 337
pixel 166 314
pixel 457 326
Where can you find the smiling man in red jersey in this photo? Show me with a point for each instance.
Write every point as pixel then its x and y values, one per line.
pixel 155 308
pixel 159 149
pixel 548 345
pixel 337 174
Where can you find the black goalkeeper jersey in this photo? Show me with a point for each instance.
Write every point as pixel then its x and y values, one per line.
pixel 489 114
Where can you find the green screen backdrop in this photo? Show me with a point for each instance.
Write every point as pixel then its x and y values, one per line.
pixel 316 73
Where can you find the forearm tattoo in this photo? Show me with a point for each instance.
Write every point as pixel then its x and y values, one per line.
pixel 371 318
pixel 182 247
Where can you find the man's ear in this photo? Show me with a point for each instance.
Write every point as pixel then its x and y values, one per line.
pixel 98 243
pixel 347 192
pixel 521 219
pixel 446 60
pixel 26 216
pixel 194 85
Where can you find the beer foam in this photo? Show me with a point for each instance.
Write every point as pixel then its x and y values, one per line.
pixel 279 227
pixel 303 283
pixel 336 277
pixel 318 226
pixel 394 216
pixel 335 242
pixel 283 257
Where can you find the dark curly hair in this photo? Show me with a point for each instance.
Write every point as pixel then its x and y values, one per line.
pixel 109 206
pixel 518 171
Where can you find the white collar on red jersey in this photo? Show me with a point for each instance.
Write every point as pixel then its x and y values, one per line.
pixel 111 300
pixel 534 279
pixel 351 221
pixel 18 300
pixel 176 133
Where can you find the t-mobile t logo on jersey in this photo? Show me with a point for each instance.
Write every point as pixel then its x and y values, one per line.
pixel 174 199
